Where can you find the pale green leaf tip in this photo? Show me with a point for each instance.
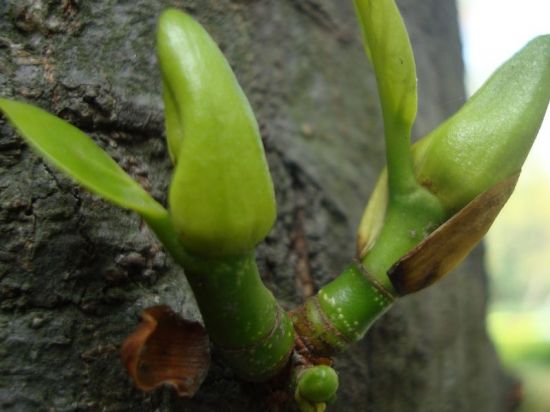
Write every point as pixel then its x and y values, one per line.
pixel 140 201
pixel 489 138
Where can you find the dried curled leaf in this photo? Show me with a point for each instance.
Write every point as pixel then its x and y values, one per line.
pixel 167 349
pixel 450 243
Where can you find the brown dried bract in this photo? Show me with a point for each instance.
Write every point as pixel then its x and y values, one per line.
pixel 167 349
pixel 450 243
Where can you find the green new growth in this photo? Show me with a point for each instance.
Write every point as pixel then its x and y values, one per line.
pixel 432 204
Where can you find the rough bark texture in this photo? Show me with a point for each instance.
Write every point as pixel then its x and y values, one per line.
pixel 75 272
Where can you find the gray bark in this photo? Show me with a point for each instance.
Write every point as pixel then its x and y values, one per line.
pixel 75 272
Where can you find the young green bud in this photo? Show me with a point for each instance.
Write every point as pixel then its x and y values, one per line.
pixel 471 164
pixel 317 385
pixel 221 196
pixel 488 139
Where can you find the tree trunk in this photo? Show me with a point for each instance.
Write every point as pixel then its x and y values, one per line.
pixel 75 272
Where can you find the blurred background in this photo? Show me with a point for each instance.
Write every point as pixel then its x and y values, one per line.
pixel 518 258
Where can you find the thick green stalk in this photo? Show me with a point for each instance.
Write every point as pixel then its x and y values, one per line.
pixel 341 313
pixel 243 319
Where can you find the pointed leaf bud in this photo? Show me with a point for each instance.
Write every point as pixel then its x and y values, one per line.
pixel 488 139
pixel 221 195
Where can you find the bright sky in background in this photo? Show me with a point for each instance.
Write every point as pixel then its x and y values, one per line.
pixel 492 31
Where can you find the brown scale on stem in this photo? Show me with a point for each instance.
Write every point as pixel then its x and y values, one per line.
pixel 450 243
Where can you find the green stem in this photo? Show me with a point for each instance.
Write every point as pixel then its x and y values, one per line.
pixel 409 219
pixel 163 228
pixel 243 319
pixel 401 179
pixel 342 311
pixel 413 212
pixel 245 322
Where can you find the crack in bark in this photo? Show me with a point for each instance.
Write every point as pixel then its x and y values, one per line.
pixel 299 246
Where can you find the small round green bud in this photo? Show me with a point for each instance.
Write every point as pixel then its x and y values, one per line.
pixel 318 384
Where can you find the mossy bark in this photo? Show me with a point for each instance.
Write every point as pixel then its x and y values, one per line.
pixel 75 272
